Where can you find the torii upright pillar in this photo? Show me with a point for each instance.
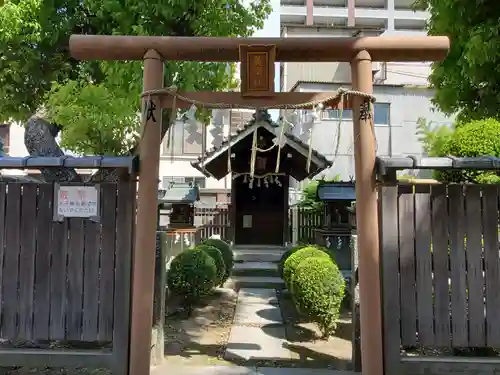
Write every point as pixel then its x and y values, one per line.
pixel 367 218
pixel 145 232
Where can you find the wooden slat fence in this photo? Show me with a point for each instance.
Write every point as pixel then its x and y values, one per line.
pixel 304 221
pixel 216 221
pixel 213 221
pixel 65 281
pixel 440 277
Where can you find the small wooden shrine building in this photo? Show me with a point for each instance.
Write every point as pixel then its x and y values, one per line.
pixel 178 200
pixel 259 200
pixel 337 222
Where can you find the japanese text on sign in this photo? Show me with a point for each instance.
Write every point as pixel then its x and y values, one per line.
pixel 77 201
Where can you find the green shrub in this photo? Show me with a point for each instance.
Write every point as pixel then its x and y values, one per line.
pixel 227 255
pixel 192 274
pixel 317 288
pixel 472 139
pixel 286 255
pixel 216 255
pixel 294 260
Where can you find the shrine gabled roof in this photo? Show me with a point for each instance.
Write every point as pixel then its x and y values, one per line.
pixel 260 119
pixel 179 193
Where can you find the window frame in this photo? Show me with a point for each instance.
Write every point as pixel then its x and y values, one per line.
pixel 347 115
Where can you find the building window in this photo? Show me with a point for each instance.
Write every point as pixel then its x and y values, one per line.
pixel 195 181
pixel 381 112
pixel 336 114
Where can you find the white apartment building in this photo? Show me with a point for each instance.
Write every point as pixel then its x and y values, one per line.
pixel 401 89
pixel 391 73
pixel 390 15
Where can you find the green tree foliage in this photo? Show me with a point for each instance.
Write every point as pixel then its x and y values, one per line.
pixel 467 80
pixel 470 139
pixel 309 198
pixel 36 71
pixel 433 137
pixel 96 121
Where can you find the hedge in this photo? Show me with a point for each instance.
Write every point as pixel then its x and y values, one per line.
pixel 294 260
pixel 317 288
pixel 286 255
pixel 227 255
pixel 192 274
pixel 220 265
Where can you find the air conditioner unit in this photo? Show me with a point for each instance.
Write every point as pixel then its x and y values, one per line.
pixel 379 71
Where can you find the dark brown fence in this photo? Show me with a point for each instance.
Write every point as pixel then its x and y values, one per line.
pixel 441 278
pixel 213 221
pixel 64 285
pixel 302 224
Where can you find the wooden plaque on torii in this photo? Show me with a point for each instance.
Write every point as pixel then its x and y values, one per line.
pixel 257 70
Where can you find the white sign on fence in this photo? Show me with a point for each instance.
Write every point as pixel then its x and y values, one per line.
pixel 77 201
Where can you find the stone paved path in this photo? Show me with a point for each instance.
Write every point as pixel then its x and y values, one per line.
pixel 258 332
pixel 240 370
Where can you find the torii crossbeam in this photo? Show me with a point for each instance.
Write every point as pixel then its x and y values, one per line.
pixel 360 52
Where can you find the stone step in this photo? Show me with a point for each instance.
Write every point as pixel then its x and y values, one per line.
pixel 252 255
pixel 251 343
pixel 260 247
pixel 267 282
pixel 257 315
pixel 248 296
pixel 255 269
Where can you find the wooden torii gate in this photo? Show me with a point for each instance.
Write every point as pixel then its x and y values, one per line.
pixel 257 56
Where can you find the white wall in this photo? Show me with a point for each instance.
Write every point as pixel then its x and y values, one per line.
pixel 16 139
pixel 397 138
pixel 183 168
pixel 180 165
pixel 16 147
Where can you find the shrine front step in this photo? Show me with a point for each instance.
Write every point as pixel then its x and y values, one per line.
pixel 256 269
pixel 262 282
pixel 258 254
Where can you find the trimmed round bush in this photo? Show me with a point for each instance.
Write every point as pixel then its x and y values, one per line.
pixel 317 289
pixel 216 255
pixel 286 255
pixel 192 274
pixel 294 260
pixel 227 255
